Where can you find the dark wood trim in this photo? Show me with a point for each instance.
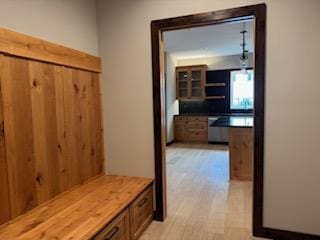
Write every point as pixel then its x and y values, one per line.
pixel 278 234
pixel 157 27
pixel 257 12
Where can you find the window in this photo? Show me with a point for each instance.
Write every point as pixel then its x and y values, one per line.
pixel 241 90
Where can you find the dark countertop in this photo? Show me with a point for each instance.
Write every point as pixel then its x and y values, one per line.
pixel 235 122
pixel 215 114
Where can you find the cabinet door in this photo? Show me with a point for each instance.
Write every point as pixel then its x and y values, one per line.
pixel 182 83
pixel 83 124
pixel 180 130
pixel 197 82
pixel 141 211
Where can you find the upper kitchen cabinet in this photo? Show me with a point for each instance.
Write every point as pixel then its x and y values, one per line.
pixel 191 82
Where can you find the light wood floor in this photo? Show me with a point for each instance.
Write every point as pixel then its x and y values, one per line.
pixel 202 203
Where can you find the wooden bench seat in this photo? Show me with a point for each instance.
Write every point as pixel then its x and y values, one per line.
pixel 81 213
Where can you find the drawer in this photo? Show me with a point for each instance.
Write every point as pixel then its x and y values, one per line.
pixel 141 213
pixel 201 119
pixel 197 136
pixel 180 118
pixel 197 125
pixel 118 229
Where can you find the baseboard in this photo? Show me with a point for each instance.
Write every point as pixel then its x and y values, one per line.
pixel 169 143
pixel 157 217
pixel 221 143
pixel 277 234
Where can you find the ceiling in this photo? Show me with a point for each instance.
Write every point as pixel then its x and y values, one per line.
pixel 209 41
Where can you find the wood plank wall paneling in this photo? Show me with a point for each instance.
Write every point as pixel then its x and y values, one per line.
pixel 4 193
pixel 15 78
pixel 22 45
pixel 83 121
pixel 53 132
pixel 43 78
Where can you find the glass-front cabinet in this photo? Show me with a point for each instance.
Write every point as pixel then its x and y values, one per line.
pixel 191 82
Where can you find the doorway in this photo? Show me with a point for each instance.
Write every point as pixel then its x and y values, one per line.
pixel 256 12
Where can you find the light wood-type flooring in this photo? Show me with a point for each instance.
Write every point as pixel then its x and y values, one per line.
pixel 202 203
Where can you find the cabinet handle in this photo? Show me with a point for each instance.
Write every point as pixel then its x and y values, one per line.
pixel 112 233
pixel 142 202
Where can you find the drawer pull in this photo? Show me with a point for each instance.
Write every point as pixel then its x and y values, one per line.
pixel 142 202
pixel 112 233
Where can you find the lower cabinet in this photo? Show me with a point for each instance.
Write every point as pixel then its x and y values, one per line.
pixel 141 213
pixel 191 129
pixel 119 229
pixel 131 223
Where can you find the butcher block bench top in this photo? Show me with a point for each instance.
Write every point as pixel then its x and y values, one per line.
pixel 78 214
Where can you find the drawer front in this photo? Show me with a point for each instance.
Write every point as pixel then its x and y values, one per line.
pixel 197 126
pixel 118 229
pixel 197 136
pixel 141 213
pixel 201 119
pixel 180 118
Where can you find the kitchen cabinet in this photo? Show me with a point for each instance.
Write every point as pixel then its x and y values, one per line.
pixel 191 129
pixel 190 82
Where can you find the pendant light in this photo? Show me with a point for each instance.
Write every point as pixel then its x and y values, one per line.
pixel 244 55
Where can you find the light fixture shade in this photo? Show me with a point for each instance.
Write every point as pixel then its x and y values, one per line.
pixel 244 62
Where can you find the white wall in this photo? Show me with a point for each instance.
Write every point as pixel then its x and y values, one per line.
pixel 172 104
pixel 292 130
pixel 216 63
pixel 72 23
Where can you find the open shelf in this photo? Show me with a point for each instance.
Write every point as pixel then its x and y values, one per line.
pixel 221 84
pixel 215 97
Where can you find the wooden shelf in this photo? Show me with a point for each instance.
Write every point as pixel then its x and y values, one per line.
pixel 195 80
pixel 215 97
pixel 216 84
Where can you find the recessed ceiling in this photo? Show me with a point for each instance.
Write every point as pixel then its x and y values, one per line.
pixel 209 41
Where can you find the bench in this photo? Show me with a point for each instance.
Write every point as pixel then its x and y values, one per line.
pixel 108 207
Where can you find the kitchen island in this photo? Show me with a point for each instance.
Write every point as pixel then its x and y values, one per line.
pixel 241 145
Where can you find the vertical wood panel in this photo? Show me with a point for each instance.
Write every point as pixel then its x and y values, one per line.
pixel 61 130
pixel 83 124
pixel 43 78
pixel 4 193
pixel 97 133
pixel 70 121
pixel 18 134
